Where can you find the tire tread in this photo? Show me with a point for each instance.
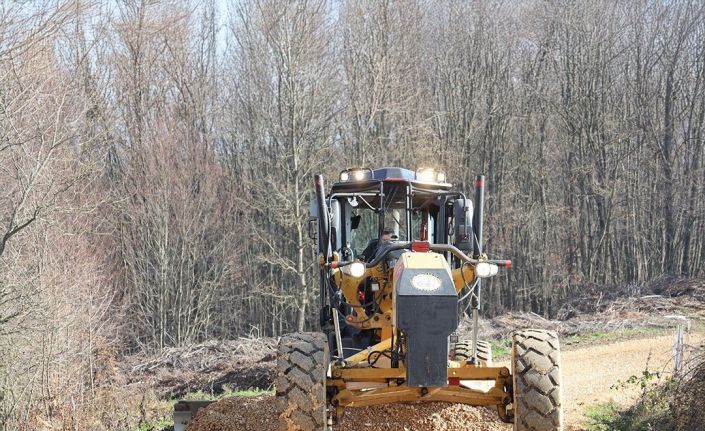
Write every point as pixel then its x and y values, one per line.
pixel 538 397
pixel 300 384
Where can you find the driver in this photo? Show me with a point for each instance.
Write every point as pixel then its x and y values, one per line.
pixel 374 245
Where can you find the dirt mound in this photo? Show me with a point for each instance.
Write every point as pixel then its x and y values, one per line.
pixel 239 413
pixel 502 326
pixel 621 314
pixel 211 367
pixel 678 287
pixel 260 414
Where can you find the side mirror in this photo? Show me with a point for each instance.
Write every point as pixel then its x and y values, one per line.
pixel 462 221
pixel 355 221
pixel 312 228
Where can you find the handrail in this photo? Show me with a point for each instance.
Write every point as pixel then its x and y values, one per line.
pixel 433 247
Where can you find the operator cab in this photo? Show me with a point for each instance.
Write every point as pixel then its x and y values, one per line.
pixel 415 205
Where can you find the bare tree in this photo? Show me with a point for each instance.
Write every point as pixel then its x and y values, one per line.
pixel 284 112
pixel 156 159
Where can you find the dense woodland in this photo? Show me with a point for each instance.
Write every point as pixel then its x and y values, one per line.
pixel 156 160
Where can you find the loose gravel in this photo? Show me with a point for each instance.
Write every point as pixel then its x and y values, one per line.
pixel 591 375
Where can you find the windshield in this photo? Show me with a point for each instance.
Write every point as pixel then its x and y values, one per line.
pixel 367 229
pixel 363 220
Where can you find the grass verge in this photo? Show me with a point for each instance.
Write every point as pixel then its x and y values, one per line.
pixel 593 338
pixel 603 417
pixel 200 395
pixel 653 411
pixel 503 348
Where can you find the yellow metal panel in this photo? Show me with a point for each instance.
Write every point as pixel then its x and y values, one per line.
pixel 454 394
pixel 349 285
pixel 361 357
pixel 423 261
pixel 463 275
pixel 463 373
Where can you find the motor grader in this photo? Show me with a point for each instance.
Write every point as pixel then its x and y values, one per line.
pixel 401 258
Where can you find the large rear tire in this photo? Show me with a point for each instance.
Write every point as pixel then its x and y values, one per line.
pixel 538 393
pixel 302 364
pixel 462 351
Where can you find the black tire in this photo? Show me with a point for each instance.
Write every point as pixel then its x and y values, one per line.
pixel 538 393
pixel 302 365
pixel 462 351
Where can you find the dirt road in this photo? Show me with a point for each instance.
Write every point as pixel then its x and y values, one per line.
pixel 589 375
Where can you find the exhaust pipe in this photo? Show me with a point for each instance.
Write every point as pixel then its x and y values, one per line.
pixel 323 249
pixel 477 217
pixel 323 218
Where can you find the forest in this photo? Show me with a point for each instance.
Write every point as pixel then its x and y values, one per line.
pixel 157 159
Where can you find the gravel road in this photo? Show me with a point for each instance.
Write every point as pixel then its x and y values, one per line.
pixel 589 375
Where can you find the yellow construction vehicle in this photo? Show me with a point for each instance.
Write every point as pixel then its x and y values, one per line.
pixel 400 254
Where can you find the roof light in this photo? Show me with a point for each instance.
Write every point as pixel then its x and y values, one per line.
pixel 426 175
pixel 356 174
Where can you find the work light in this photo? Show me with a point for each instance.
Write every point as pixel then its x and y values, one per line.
pixel 485 270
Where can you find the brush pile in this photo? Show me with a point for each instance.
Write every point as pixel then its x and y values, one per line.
pixel 212 366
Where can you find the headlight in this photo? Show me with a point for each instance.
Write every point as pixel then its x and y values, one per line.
pixel 357 269
pixel 344 176
pixel 441 177
pixel 426 282
pixel 484 269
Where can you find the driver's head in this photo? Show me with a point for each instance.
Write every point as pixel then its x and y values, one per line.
pixel 387 233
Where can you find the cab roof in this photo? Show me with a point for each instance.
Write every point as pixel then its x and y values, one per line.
pixel 373 177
